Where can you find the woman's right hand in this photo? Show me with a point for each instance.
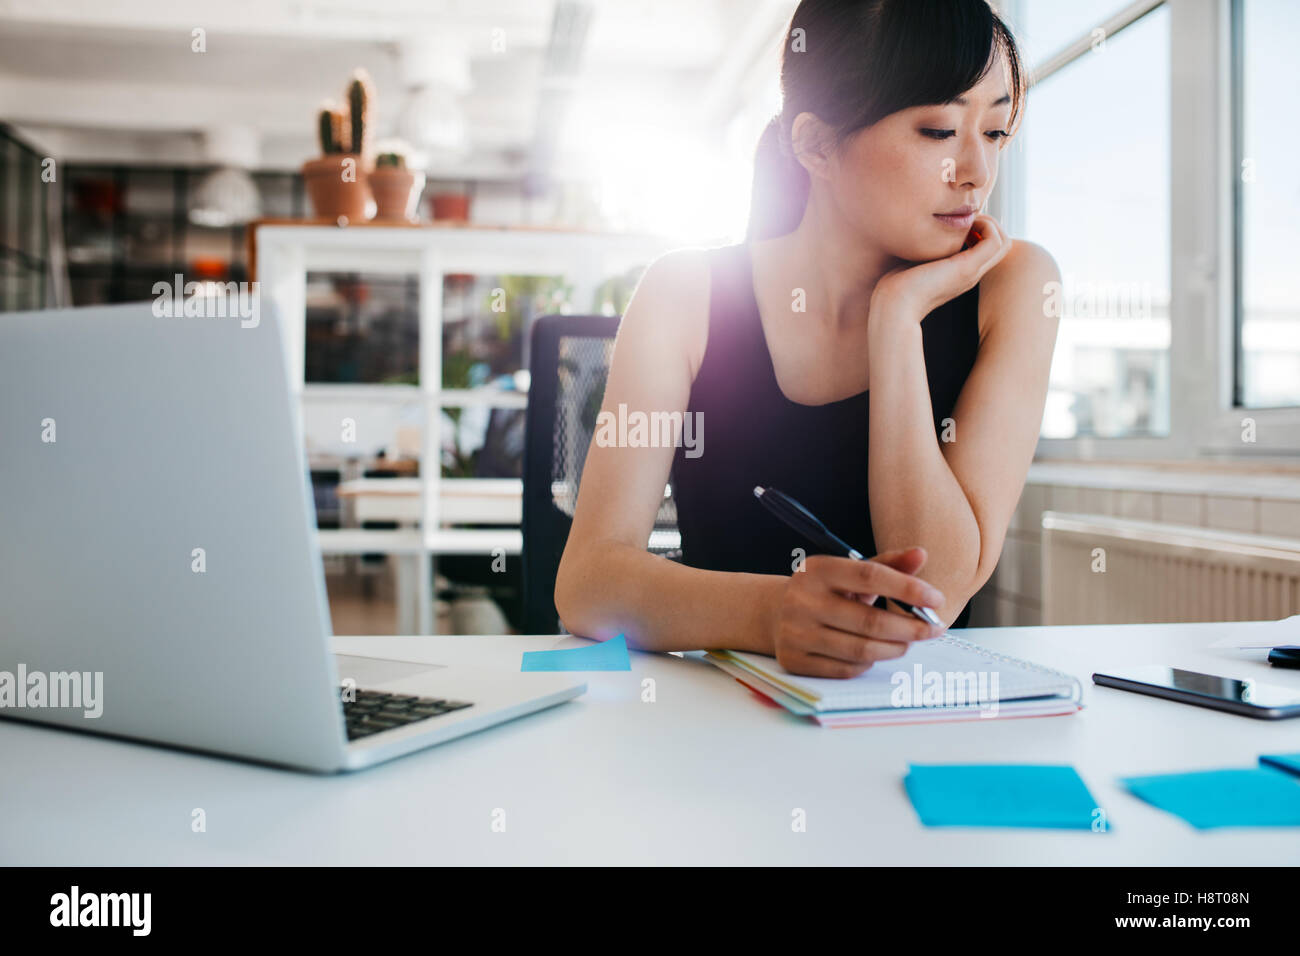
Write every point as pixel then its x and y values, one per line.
pixel 825 625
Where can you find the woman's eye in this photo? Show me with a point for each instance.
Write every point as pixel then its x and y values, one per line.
pixel 995 134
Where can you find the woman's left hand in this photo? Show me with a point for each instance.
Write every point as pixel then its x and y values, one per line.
pixel 917 290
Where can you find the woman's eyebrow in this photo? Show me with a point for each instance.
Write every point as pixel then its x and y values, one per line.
pixel 962 101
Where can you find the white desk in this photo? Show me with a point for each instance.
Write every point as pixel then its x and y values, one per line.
pixel 705 775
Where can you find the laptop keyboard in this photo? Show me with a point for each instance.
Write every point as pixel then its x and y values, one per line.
pixel 374 711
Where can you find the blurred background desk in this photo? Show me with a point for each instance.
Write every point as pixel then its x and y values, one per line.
pixel 399 501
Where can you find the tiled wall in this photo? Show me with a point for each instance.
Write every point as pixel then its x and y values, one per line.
pixel 1013 595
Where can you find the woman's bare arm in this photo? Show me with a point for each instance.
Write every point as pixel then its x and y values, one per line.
pixel 608 583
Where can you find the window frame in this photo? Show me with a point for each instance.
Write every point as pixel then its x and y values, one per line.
pixel 1237 86
pixel 1205 420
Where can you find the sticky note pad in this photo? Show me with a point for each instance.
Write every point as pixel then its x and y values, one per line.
pixel 1288 762
pixel 1000 795
pixel 1253 797
pixel 608 655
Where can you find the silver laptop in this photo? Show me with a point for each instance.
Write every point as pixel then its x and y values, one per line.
pixel 160 575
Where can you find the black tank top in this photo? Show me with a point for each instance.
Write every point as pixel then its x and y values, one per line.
pixel 753 435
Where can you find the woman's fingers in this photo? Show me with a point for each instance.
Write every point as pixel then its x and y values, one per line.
pixel 907 560
pixel 858 621
pixel 872 577
pixel 852 649
pixel 829 653
pixel 993 245
pixel 828 626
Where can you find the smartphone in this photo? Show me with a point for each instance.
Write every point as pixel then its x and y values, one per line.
pixel 1247 697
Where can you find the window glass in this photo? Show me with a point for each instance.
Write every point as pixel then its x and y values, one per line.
pixel 1095 148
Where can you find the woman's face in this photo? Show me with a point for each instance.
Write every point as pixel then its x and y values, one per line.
pixel 892 180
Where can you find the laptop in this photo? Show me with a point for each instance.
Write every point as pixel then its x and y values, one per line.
pixel 160 571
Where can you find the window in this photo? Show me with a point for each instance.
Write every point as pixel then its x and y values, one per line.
pixel 24 263
pixel 1095 149
pixel 1045 27
pixel 1267 141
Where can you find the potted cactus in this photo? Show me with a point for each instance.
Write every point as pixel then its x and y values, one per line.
pixel 396 183
pixel 338 182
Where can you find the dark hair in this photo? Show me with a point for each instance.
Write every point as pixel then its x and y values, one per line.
pixel 857 61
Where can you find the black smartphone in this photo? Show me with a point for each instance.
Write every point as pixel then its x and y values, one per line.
pixel 1247 697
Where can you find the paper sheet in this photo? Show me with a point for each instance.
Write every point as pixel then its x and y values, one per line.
pixel 1003 795
pixel 1264 634
pixel 1207 799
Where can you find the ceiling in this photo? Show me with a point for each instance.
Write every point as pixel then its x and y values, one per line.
pixel 99 80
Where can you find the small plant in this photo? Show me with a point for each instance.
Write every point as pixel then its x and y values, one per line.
pixel 349 132
pixel 329 128
pixel 336 196
pixel 396 153
pixel 339 126
pixel 397 181
pixel 361 95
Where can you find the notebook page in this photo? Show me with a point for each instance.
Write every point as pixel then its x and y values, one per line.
pixel 957 672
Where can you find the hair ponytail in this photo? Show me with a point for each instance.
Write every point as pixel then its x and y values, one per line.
pixel 780 189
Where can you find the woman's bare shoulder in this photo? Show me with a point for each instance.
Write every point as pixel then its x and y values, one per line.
pixel 1023 274
pixel 672 300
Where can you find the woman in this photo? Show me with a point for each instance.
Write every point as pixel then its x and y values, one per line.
pixel 851 353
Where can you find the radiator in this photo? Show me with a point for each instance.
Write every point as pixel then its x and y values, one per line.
pixel 1160 573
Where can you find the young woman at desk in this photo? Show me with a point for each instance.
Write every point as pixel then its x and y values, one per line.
pixel 855 283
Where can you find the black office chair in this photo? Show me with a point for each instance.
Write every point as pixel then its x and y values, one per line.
pixel 569 358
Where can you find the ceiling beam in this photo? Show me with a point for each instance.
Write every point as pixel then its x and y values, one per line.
pixel 755 49
pixel 376 20
pixel 561 67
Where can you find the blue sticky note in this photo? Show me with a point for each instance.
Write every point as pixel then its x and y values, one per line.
pixel 1288 762
pixel 1001 795
pixel 608 655
pixel 1253 797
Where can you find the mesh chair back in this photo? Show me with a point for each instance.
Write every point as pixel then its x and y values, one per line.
pixel 569 358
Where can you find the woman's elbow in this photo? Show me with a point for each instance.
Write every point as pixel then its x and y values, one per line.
pixel 569 605
pixel 582 595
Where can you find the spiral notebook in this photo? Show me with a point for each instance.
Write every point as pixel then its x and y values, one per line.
pixel 946 678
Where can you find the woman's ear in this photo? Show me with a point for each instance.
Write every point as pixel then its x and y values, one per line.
pixel 812 143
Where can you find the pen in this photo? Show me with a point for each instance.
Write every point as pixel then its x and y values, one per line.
pixel 1285 656
pixel 800 519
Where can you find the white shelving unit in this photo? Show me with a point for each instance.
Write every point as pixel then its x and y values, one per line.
pixel 285 253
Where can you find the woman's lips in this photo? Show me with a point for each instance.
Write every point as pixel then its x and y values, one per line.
pixel 957 222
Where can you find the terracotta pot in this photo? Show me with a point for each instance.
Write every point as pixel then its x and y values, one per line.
pixel 451 206
pixel 333 196
pixel 396 191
